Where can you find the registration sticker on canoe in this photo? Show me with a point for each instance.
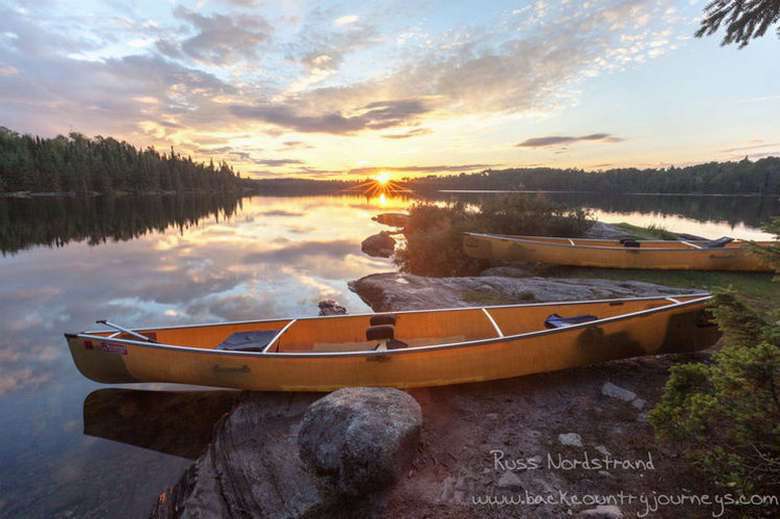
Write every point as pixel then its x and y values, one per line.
pixel 108 347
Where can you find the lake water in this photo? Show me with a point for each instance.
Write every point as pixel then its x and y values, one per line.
pixel 73 448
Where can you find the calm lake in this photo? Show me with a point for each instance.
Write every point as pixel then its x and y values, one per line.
pixel 73 448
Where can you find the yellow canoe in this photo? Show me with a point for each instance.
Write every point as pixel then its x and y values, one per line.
pixel 734 255
pixel 429 348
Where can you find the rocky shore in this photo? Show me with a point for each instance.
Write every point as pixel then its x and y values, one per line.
pixel 448 451
pixel 476 441
pixel 522 447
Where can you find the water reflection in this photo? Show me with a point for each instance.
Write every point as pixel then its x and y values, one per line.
pixel 57 221
pixel 273 257
pixel 179 423
pixel 747 211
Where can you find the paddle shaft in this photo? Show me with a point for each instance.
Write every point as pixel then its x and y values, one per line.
pixel 125 330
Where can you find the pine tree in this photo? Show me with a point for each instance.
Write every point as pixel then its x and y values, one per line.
pixel 743 19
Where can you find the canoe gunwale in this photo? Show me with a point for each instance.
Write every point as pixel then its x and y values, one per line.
pixel 698 298
pixel 631 250
pixel 400 312
pixel 543 238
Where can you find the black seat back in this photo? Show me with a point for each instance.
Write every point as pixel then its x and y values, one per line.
pixel 719 243
pixel 557 321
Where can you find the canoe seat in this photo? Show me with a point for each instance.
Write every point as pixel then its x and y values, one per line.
pixel 556 321
pixel 719 243
pixel 630 242
pixel 248 341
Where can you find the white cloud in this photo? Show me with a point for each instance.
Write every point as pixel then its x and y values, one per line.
pixel 346 20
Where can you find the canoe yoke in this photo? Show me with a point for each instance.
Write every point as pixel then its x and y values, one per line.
pixel 382 329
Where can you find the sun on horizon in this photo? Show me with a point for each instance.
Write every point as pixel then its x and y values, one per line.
pixel 383 178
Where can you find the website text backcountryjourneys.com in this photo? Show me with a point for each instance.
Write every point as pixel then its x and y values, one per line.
pixel 649 503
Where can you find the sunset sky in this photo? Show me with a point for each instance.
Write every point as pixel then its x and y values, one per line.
pixel 339 89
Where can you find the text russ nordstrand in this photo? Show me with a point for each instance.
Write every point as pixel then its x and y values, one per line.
pixel 502 462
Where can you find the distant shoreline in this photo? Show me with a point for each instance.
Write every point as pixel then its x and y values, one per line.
pixel 25 195
pixel 551 192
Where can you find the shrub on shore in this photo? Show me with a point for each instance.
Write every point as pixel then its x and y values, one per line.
pixel 728 411
pixel 434 233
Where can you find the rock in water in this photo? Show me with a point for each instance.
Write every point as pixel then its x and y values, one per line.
pixel 379 245
pixel 361 439
pixel 331 307
pixel 392 219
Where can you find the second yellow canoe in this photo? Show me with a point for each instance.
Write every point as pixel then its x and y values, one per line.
pixel 735 255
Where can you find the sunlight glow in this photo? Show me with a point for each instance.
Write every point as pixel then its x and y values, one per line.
pixel 383 178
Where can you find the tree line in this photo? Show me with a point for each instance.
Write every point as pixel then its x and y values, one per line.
pixel 79 164
pixel 743 177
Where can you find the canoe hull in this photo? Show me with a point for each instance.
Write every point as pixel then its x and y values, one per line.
pixel 678 328
pixel 502 248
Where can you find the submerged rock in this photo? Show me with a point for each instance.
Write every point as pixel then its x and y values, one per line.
pixel 361 439
pixel 391 290
pixel 380 245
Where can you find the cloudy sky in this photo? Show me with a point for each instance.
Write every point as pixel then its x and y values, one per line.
pixel 333 89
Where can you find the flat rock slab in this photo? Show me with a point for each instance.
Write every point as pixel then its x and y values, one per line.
pixel 251 467
pixel 605 231
pixel 391 291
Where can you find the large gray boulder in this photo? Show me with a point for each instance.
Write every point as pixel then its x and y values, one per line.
pixel 390 291
pixel 361 439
